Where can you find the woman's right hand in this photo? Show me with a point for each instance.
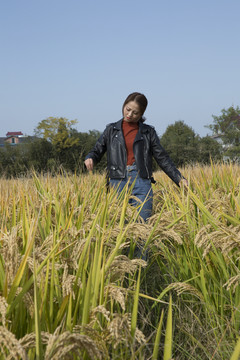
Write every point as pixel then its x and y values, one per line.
pixel 89 164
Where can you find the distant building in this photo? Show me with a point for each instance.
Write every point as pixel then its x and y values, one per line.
pixel 15 138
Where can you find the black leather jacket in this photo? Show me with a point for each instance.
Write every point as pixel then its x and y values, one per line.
pixel 146 145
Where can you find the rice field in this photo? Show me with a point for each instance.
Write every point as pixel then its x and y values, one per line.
pixel 72 288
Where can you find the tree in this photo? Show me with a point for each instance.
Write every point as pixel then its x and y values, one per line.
pixel 40 152
pixel 227 128
pixel 57 131
pixel 181 142
pixel 61 135
pixel 13 160
pixel 208 149
pixel 78 152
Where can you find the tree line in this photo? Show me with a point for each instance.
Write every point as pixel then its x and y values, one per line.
pixel 57 145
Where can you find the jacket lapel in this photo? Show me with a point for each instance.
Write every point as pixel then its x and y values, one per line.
pixel 119 133
pixel 140 132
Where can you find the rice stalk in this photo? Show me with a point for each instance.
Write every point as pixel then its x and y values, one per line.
pixel 22 266
pixel 135 305
pixel 167 355
pixel 236 352
pixel 157 339
pixel 39 350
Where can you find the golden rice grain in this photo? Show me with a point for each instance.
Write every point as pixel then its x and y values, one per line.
pixel 122 265
pixel 67 282
pixel 233 282
pixel 65 345
pixel 10 347
pixel 117 294
pixel 102 310
pixel 181 288
pixel 119 330
pixel 29 340
pixel 225 239
pixel 11 254
pixel 3 310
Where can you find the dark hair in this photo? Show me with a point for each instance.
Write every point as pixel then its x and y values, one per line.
pixel 140 99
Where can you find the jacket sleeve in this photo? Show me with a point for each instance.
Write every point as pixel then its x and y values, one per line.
pixel 163 159
pixel 97 152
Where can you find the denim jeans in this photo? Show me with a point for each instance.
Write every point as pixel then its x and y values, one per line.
pixel 142 190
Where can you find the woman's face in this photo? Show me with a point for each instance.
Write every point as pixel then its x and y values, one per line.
pixel 131 112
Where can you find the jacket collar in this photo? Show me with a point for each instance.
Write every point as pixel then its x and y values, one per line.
pixel 118 125
pixel 142 127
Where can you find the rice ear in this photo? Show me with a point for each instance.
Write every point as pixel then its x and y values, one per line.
pixel 11 347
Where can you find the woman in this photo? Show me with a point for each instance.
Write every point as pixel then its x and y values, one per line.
pixel 130 146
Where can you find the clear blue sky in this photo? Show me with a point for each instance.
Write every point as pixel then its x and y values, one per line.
pixel 79 59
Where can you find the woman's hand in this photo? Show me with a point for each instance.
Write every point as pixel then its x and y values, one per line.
pixel 183 183
pixel 89 164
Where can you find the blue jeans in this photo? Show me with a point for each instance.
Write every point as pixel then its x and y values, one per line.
pixel 142 190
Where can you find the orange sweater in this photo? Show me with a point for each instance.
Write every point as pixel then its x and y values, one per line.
pixel 130 130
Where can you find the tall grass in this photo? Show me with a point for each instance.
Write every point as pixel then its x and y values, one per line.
pixel 71 288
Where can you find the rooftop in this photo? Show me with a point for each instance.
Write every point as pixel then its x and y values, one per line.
pixel 14 133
